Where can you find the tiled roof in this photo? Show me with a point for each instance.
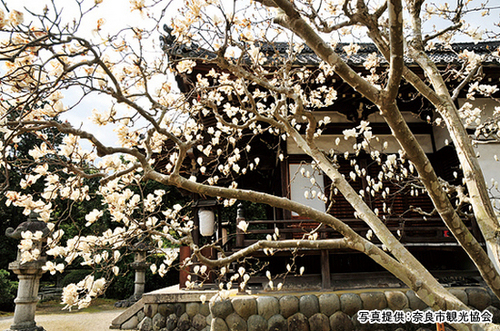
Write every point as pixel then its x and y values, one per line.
pixel 439 54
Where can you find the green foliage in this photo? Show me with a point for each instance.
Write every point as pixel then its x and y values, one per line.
pixel 8 290
pixel 74 276
pixel 122 286
pixel 12 216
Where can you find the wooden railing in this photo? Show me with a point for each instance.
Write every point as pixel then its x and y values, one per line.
pixel 416 232
pixel 408 230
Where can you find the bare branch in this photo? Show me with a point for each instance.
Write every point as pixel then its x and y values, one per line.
pixel 473 72
pixel 396 63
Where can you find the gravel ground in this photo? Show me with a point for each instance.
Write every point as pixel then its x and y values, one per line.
pixel 99 321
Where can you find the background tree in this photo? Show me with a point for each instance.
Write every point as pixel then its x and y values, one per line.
pixel 159 130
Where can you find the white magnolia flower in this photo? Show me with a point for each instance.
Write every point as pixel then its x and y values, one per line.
pixel 25 245
pixel 70 295
pixel 243 226
pixel 351 49
pixel 186 66
pixel 116 255
pixel 98 286
pixel 93 216
pixel 351 133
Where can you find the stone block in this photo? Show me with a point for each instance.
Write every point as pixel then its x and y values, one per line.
pixel 298 322
pixel 358 326
pixel 236 323
pixel 192 308
pixel 478 297
pixel 218 324
pixel 495 302
pixel 171 322
pixel 373 300
pixel 199 322
pixel 150 309
pixel 329 303
pixel 140 315
pixel 495 312
pixel 414 302
pixel 166 309
pixel 205 309
pixel 131 323
pixel 309 305
pixel 184 322
pixel 159 322
pixel 245 306
pixel 277 323
pixel 340 321
pixel 145 324
pixel 179 309
pixel 221 308
pixel 319 322
pixel 460 294
pixel 256 323
pixel 268 306
pixel 350 303
pixel 289 305
pixel 396 300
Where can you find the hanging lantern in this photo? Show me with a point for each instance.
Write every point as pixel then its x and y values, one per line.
pixel 207 222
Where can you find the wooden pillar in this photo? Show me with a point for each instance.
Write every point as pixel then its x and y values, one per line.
pixel 196 231
pixel 224 236
pixel 325 270
pixel 210 253
pixel 184 253
pixel 220 236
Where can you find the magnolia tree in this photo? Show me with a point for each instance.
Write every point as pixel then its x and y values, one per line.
pixel 55 70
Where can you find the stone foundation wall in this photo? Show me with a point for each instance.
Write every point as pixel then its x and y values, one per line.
pixel 282 312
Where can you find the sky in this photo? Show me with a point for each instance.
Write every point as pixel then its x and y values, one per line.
pixel 117 14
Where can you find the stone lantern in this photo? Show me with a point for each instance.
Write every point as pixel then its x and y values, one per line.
pixel 29 274
pixel 140 265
